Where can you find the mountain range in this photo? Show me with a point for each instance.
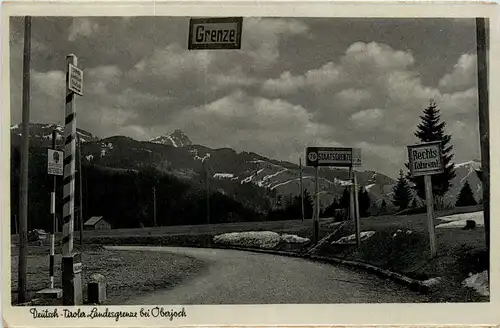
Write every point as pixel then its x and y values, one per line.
pixel 229 171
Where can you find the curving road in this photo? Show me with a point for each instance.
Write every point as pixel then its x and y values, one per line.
pixel 237 277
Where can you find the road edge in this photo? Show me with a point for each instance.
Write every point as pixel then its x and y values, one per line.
pixel 412 284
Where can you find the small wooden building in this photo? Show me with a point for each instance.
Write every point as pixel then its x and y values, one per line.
pixel 96 223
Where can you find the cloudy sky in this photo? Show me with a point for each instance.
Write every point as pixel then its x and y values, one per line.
pixel 295 82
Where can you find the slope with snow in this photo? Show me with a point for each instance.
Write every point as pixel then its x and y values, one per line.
pixel 175 139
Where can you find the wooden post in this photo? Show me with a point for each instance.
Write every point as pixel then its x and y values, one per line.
pixel 81 187
pixel 207 187
pixel 154 206
pixel 356 209
pixel 316 214
pixel 430 214
pixel 352 212
pixel 301 190
pixel 484 131
pixel 23 190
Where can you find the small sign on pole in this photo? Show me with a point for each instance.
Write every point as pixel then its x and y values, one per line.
pixel 215 33
pixel 55 163
pixel 329 156
pixel 426 160
pixel 75 80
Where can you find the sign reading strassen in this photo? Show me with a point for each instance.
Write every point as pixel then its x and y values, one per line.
pixel 425 159
pixel 329 156
pixel 215 33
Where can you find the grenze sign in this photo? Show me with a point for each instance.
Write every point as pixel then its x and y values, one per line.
pixel 425 159
pixel 215 33
pixel 332 156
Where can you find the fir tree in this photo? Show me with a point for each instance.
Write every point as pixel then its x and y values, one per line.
pixel 345 199
pixel 364 202
pixel 308 205
pixel 383 207
pixel 432 129
pixel 414 203
pixel 402 193
pixel 466 196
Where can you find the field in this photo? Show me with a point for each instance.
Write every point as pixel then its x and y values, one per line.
pixel 460 252
pixel 126 273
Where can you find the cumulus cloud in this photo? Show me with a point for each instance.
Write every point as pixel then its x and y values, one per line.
pixel 368 118
pixel 82 27
pixel 463 76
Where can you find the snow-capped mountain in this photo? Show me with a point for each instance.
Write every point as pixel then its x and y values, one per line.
pixel 176 139
pixel 41 133
pixel 466 172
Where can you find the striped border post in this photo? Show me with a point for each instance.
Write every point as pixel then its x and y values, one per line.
pixel 71 280
pixel 53 212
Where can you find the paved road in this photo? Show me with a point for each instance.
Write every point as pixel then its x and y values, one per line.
pixel 236 277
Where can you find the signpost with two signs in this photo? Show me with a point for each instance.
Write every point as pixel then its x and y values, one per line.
pixel 336 157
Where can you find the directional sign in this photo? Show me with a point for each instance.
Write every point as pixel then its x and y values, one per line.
pixel 55 165
pixel 356 157
pixel 425 159
pixel 215 33
pixel 329 156
pixel 75 80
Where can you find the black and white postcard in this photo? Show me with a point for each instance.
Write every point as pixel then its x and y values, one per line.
pixel 266 164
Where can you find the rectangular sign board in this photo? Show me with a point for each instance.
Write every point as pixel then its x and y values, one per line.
pixel 356 157
pixel 55 162
pixel 425 159
pixel 329 156
pixel 215 33
pixel 75 80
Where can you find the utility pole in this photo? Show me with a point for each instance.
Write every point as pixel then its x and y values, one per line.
pixel 154 206
pixel 484 131
pixel 81 188
pixel 207 187
pixel 23 190
pixel 301 189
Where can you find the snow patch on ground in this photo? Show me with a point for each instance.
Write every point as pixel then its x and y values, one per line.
pixel 478 282
pixel 399 231
pixel 432 281
pixel 459 220
pixel 293 239
pixel 368 187
pixel 260 239
pixel 351 239
pixel 15 126
pixel 223 175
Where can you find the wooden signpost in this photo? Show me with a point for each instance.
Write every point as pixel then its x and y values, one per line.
pixel 335 157
pixel 426 160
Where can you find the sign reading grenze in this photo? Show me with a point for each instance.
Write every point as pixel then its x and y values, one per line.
pixel 329 156
pixel 215 33
pixel 425 159
pixel 55 163
pixel 75 80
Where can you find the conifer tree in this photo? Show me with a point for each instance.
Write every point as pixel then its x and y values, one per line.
pixel 402 193
pixel 431 129
pixel 466 196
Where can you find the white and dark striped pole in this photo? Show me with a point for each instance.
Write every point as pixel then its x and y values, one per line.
pixel 53 212
pixel 72 294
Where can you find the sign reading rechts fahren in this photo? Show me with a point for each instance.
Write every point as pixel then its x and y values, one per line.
pixel 215 33
pixel 425 159
pixel 55 164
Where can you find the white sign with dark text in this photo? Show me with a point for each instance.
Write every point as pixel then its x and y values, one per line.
pixel 76 80
pixel 425 159
pixel 55 163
